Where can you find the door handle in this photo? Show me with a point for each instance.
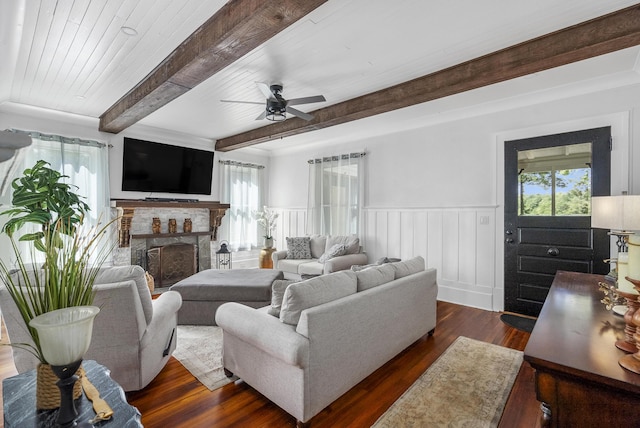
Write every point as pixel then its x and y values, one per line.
pixel 508 232
pixel 553 252
pixel 509 240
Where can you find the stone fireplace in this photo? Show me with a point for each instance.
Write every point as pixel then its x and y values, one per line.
pixel 168 255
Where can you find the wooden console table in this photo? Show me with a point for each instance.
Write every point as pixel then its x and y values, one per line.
pixel 572 349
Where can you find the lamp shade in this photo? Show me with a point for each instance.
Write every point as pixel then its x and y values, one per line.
pixel 620 213
pixel 65 334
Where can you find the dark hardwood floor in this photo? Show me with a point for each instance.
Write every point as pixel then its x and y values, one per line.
pixel 176 399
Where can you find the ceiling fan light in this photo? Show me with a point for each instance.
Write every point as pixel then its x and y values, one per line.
pixel 276 116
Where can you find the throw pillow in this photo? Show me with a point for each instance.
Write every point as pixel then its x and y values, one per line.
pixel 318 245
pixel 352 242
pixel 299 248
pixel 277 294
pixel 314 292
pixel 374 276
pixel 334 251
pixel 408 267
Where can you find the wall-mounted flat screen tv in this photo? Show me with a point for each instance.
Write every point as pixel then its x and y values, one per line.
pixel 157 167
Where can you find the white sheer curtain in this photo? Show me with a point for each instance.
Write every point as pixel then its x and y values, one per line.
pixel 85 163
pixel 336 186
pixel 241 187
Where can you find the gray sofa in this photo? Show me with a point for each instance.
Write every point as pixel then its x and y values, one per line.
pixel 133 335
pixel 313 264
pixel 331 333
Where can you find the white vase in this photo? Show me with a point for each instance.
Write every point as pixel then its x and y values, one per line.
pixel 268 242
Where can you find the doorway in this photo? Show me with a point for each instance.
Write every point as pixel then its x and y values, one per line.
pixel 549 182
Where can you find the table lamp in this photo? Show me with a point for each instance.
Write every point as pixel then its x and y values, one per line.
pixel 65 336
pixel 621 215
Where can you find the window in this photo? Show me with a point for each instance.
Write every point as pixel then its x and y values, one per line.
pixel 242 185
pixel 555 181
pixel 84 162
pixel 335 194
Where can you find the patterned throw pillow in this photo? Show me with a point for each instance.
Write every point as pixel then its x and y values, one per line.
pixel 299 248
pixel 334 251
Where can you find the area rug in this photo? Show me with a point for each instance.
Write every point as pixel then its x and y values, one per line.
pixel 467 386
pixel 199 349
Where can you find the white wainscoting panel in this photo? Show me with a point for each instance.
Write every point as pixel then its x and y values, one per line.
pixel 458 242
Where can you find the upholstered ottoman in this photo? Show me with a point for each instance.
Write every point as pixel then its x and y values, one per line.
pixel 205 291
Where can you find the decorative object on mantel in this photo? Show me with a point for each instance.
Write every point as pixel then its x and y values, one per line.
pixel 267 219
pixel 173 226
pixel 223 256
pixel 216 213
pixel 65 336
pixel 187 226
pixel 156 225
pixel 72 255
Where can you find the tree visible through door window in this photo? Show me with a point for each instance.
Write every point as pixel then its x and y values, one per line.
pixel 555 181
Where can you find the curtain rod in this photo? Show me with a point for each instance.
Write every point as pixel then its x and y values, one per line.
pixel 60 138
pixel 244 164
pixel 337 157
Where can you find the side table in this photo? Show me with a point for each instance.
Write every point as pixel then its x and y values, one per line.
pixel 19 401
pixel 265 261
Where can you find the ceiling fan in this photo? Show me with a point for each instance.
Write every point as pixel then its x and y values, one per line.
pixel 277 107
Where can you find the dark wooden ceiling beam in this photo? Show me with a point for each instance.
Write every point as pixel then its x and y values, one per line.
pixel 236 29
pixel 606 34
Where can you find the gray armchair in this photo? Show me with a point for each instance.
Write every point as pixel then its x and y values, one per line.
pixel 133 335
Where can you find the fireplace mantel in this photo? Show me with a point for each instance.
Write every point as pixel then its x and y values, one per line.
pixel 216 209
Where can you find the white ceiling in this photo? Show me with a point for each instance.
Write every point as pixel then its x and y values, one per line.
pixel 72 56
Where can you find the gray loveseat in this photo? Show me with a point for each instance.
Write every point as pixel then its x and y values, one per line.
pixel 296 264
pixel 332 332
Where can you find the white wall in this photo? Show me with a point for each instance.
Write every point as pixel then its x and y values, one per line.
pixel 437 191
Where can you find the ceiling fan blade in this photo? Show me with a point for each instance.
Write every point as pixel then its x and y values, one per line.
pixel 306 100
pixel 300 114
pixel 262 115
pixel 242 102
pixel 264 88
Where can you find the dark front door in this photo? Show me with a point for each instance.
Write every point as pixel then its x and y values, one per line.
pixel 549 182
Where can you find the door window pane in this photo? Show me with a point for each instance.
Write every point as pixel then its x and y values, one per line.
pixel 555 181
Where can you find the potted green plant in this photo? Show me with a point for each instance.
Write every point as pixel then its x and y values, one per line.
pixel 72 255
